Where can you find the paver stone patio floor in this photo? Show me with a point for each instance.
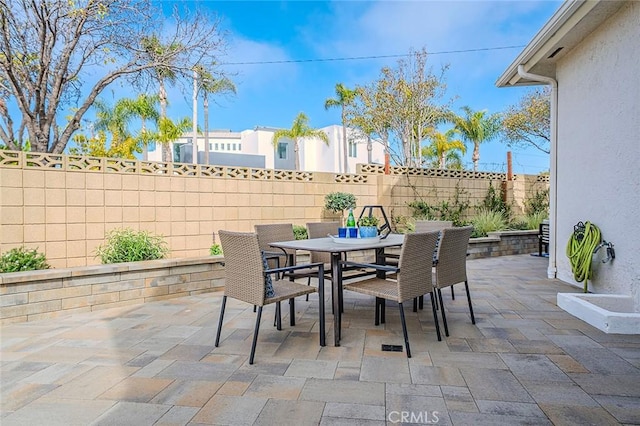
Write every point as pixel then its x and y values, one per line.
pixel 526 361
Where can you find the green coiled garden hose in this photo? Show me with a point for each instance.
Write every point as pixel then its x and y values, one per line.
pixel 580 248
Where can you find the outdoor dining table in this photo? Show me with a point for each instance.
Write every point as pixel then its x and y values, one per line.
pixel 329 245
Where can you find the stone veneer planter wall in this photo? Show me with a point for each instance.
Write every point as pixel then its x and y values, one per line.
pixel 35 295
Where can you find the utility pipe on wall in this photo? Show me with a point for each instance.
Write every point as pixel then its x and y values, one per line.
pixel 553 172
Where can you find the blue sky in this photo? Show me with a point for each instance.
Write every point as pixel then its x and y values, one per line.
pixel 304 32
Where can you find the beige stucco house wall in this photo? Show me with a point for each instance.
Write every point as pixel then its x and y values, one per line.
pixel 591 50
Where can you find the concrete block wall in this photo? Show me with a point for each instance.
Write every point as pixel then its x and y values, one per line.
pixel 65 205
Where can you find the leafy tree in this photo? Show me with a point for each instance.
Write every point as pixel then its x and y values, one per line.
pixel 210 85
pixel 368 115
pixel 299 130
pixel 58 56
pixel 476 127
pixel 112 126
pixel 344 97
pixel 528 122
pixel 444 150
pixel 401 106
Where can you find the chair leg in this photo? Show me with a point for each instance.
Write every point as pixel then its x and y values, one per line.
pixel 254 308
pixel 415 304
pixel 444 316
pixel 404 330
pixel 435 316
pixel 453 295
pixel 308 283
pixel 224 304
pixel 377 321
pixel 383 308
pixel 278 317
pixel 421 302
pixel 466 287
pixel 255 335
pixel 292 311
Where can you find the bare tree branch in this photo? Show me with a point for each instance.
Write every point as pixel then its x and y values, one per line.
pixel 57 56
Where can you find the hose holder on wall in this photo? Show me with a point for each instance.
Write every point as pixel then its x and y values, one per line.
pixel 585 241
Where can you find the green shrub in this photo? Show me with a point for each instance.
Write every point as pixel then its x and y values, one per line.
pixel 368 221
pixel 487 221
pixel 22 259
pixel 494 201
pixel 127 245
pixel 538 203
pixel 403 224
pixel 533 220
pixel 452 209
pixel 422 210
pixel 300 232
pixel 338 202
pixel 215 250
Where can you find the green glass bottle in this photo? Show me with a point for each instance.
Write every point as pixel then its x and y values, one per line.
pixel 351 221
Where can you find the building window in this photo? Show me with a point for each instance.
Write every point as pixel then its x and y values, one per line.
pixel 210 147
pixel 239 147
pixel 234 146
pixel 216 147
pixel 282 150
pixel 353 149
pixel 228 147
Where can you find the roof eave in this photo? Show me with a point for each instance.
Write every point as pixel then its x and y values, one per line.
pixel 542 44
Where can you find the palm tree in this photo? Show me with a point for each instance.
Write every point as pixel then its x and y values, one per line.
pixel 476 127
pixel 145 108
pixel 299 130
pixel 154 48
pixel 170 131
pixel 114 120
pixel 344 97
pixel 210 85
pixel 445 150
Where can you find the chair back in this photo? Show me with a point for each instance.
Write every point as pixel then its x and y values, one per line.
pixel 243 267
pixel 321 230
pixel 452 256
pixel 432 225
pixel 415 276
pixel 269 233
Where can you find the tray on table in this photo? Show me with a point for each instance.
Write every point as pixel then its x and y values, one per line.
pixel 355 241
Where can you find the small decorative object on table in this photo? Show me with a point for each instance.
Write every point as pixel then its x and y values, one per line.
pixel 368 226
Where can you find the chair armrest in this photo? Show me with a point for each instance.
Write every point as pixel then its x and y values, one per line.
pixel 371 265
pixel 293 268
pixel 273 254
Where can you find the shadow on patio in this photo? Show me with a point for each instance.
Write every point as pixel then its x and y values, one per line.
pixel 525 361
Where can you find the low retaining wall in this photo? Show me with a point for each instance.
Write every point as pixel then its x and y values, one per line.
pixel 35 295
pixel 504 243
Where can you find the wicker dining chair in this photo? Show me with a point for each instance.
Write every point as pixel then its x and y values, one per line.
pixel 271 232
pixel 451 265
pixel 246 277
pixel 318 230
pixel 413 278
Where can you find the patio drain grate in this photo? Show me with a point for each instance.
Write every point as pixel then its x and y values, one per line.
pixel 391 348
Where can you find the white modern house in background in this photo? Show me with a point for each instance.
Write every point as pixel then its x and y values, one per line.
pixel 254 148
pixel 589 54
